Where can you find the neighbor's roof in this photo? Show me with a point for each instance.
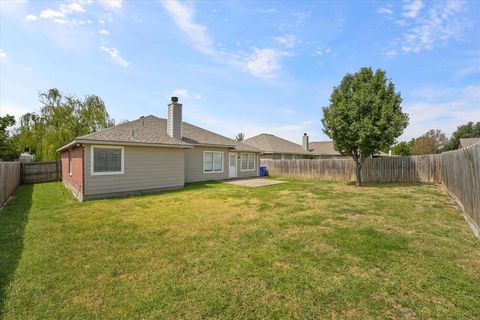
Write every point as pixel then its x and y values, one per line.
pixel 151 130
pixel 269 143
pixel 323 148
pixel 465 142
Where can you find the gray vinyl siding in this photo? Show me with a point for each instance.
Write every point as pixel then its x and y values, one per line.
pixel 194 164
pixel 145 168
pixel 247 174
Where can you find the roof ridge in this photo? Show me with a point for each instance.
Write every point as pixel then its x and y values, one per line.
pixel 115 126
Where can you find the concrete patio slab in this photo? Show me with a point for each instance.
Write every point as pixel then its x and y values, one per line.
pixel 254 183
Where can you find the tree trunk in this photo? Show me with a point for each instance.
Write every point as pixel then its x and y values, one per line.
pixel 359 175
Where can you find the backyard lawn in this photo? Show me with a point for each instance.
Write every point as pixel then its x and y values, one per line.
pixel 304 249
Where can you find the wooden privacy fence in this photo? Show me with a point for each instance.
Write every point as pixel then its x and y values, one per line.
pixel 461 177
pixel 9 179
pixel 36 172
pixel 425 168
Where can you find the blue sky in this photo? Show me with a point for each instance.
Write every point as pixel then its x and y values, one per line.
pixel 247 67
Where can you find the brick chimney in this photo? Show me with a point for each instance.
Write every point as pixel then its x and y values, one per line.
pixel 174 120
pixel 305 142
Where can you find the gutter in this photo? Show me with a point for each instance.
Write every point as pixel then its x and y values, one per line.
pixel 123 143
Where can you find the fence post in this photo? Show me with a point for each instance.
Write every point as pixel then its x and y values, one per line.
pixel 21 173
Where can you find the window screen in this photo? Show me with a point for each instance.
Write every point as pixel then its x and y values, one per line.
pixel 248 161
pixel 213 161
pixel 107 160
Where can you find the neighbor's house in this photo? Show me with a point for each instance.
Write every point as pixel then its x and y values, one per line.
pixel 276 148
pixel 465 142
pixel 325 150
pixel 152 154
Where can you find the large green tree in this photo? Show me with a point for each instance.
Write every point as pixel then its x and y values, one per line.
pixel 364 116
pixel 8 148
pixel 61 119
pixel 468 130
pixel 425 145
pixel 403 148
pixel 433 141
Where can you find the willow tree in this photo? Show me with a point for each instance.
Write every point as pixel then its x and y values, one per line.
pixel 364 116
pixel 61 119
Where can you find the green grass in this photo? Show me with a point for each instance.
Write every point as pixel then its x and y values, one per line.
pixel 305 249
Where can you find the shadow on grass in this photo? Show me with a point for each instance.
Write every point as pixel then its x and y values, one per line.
pixel 13 219
pixel 388 185
pixel 201 185
pixel 188 187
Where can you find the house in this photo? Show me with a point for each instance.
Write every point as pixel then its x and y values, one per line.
pixel 25 157
pixel 152 154
pixel 276 148
pixel 465 142
pixel 325 150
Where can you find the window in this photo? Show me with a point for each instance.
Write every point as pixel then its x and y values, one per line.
pixel 212 161
pixel 248 161
pixel 107 160
pixel 69 162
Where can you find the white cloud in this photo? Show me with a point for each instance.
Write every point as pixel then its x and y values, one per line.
pixel 391 53
pixel 31 17
pixel 184 17
pixel 301 16
pixel 185 94
pixel 230 126
pixel 320 51
pixel 473 68
pixel 181 93
pixel 270 11
pixel 111 4
pixel 3 55
pixel 74 7
pixel 51 14
pixel 287 111
pixel 61 15
pixel 262 63
pixel 385 10
pixel 441 108
pixel 288 40
pixel 412 8
pixel 425 29
pixel 115 55
pixel 14 110
pixel 104 32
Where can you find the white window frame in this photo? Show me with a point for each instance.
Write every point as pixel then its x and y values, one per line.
pixel 254 161
pixel 106 173
pixel 70 162
pixel 213 163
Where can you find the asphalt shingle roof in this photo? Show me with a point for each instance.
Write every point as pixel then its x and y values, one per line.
pixel 153 130
pixel 465 142
pixel 323 148
pixel 269 143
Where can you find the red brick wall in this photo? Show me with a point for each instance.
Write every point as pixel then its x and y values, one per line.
pixel 73 181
